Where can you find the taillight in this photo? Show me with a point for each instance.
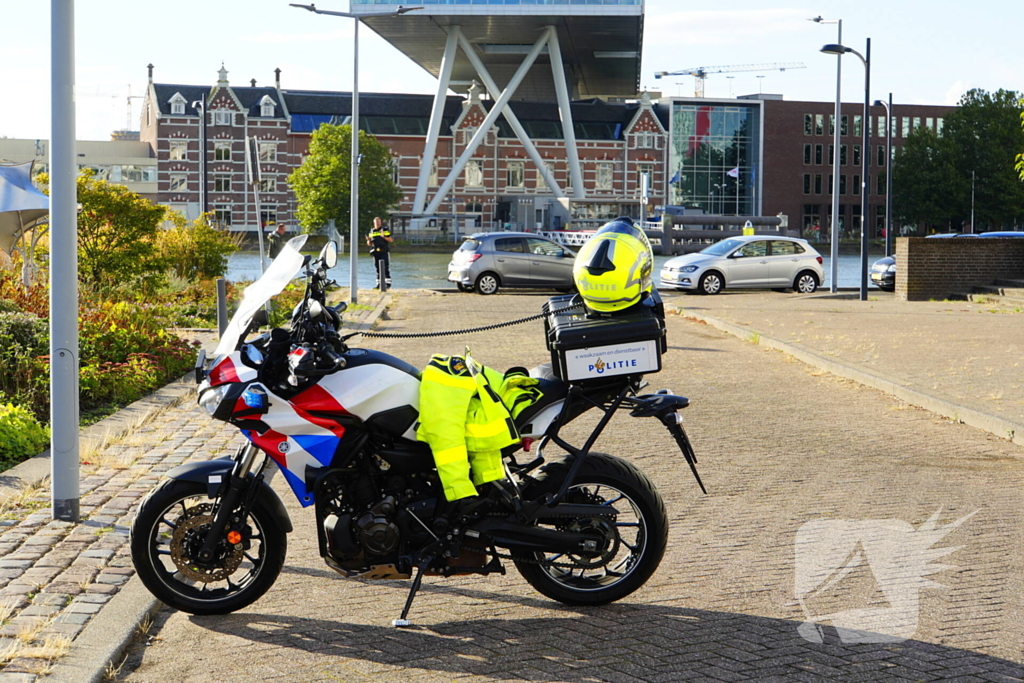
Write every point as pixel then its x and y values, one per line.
pixel 473 257
pixel 818 259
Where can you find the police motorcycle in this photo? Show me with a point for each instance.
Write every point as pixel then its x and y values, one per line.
pixel 339 423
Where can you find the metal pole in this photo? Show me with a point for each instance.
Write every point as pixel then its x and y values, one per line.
pixel 643 199
pixel 222 305
pixel 972 202
pixel 864 176
pixel 353 235
pixel 64 467
pixel 253 169
pixel 436 118
pixel 888 177
pixel 204 205
pixel 834 265
pixel 565 114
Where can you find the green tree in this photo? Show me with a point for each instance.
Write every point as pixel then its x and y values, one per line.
pixel 323 183
pixel 932 175
pixel 195 250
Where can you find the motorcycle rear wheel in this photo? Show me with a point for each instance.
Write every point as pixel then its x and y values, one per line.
pixel 631 557
pixel 169 529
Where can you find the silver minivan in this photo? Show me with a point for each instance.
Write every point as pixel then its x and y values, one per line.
pixel 488 261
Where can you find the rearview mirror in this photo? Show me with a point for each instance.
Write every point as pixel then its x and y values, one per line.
pixel 329 254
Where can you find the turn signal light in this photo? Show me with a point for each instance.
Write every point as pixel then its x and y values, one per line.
pixel 234 537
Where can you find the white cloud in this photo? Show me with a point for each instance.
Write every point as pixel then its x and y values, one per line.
pixel 956 91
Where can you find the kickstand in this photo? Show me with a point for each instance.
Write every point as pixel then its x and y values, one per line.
pixel 403 621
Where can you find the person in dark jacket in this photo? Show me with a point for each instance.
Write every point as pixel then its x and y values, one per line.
pixel 276 240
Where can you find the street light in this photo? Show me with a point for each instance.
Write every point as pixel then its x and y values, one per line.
pixel 834 265
pixel 837 49
pixel 200 106
pixel 888 172
pixel 354 162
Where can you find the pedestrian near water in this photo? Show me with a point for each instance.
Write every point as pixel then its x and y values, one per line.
pixel 379 240
pixel 276 240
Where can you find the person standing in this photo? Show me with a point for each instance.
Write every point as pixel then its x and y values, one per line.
pixel 276 241
pixel 379 240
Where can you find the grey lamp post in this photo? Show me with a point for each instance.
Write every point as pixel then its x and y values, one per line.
pixel 888 172
pixel 200 106
pixel 834 264
pixel 354 190
pixel 836 49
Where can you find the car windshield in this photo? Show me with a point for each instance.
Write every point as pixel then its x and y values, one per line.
pixel 721 248
pixel 469 245
pixel 284 267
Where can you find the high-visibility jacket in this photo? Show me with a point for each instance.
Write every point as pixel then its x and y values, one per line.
pixel 465 421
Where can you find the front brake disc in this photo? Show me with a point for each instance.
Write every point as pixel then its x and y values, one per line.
pixel 189 534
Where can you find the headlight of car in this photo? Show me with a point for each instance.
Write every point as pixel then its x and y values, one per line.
pixel 211 398
pixel 688 269
pixel 668 269
pixel 892 268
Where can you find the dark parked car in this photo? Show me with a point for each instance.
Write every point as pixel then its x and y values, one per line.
pixel 488 261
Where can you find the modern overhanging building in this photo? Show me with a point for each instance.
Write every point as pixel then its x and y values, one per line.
pixel 517 50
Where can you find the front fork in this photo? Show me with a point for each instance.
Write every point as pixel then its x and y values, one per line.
pixel 233 492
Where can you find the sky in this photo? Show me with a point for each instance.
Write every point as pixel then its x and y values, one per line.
pixel 922 52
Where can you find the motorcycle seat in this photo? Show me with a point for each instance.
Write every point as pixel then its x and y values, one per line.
pixel 552 390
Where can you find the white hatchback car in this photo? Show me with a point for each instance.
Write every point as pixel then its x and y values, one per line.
pixel 752 261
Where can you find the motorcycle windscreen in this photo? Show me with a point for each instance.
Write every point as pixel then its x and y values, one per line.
pixel 281 271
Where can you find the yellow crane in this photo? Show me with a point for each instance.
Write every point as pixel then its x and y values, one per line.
pixel 700 73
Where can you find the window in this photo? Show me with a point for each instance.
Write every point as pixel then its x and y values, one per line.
pixel 819 124
pixel 842 155
pixel 179 183
pixel 817 184
pixel 856 125
pixel 396 170
pixel 929 123
pixel 808 124
pixel 644 139
pixel 856 218
pixel 917 122
pixel 509 244
pixel 267 106
pixel 268 152
pixel 432 178
pixel 831 154
pixel 540 178
pixel 880 184
pixel 515 174
pixel 831 184
pixel 177 107
pixel 856 184
pixel 784 248
pixel 222 215
pixel 842 184
pixel 906 127
pixel 222 151
pixel 881 126
pixel 844 125
pixel 831 124
pixel 149 115
pixel 893 122
pixel 223 117
pixel 881 155
pixel 604 176
pixel 268 185
pixel 818 151
pixel 938 126
pixel 641 169
pixel 807 183
pixel 807 154
pixel 222 182
pixel 474 174
pixel 754 249
pixel 179 150
pixel 856 155
pixel 268 216
pixel 543 247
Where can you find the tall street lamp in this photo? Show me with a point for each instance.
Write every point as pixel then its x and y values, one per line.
pixel 888 171
pixel 354 190
pixel 834 265
pixel 836 49
pixel 200 106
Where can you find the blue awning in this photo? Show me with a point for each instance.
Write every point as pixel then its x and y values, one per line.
pixel 21 204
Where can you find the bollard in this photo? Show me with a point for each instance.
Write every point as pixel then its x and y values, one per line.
pixel 222 305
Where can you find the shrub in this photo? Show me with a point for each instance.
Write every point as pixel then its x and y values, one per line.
pixel 195 250
pixel 21 435
pixel 23 339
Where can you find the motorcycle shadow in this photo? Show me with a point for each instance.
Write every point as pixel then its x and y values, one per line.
pixel 642 642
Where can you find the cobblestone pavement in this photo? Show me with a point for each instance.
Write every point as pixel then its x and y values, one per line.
pixel 965 352
pixel 780 445
pixel 55 576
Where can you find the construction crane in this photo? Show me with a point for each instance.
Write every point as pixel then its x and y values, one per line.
pixel 701 72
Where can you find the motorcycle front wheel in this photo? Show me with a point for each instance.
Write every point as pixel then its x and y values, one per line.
pixel 167 534
pixel 635 533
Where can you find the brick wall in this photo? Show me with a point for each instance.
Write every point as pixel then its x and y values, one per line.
pixel 936 268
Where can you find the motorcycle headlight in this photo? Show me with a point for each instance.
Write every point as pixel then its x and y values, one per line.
pixel 211 398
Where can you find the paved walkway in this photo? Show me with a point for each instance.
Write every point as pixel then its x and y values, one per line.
pixel 782 444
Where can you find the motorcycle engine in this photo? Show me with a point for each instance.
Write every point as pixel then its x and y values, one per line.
pixel 371 533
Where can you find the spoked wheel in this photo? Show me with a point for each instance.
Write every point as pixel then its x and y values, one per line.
pixel 633 534
pixel 487 284
pixel 168 533
pixel 806 282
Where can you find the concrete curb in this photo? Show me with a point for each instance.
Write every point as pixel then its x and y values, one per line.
pixel 107 636
pixel 1002 428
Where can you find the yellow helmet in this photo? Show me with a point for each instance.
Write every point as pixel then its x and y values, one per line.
pixel 612 270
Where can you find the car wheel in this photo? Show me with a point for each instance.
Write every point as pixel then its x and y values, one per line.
pixel 711 283
pixel 487 284
pixel 806 282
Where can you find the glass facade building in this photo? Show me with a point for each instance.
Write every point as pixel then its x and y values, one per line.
pixel 714 159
